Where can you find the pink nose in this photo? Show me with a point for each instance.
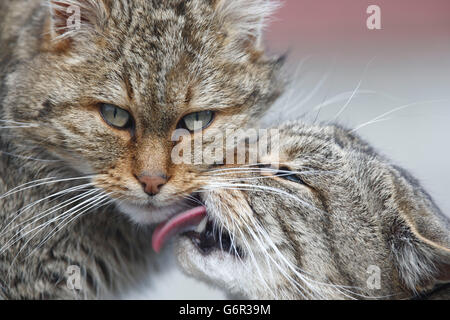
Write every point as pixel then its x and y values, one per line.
pixel 152 184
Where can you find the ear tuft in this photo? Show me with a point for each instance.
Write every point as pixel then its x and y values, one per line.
pixel 246 17
pixel 72 17
pixel 420 262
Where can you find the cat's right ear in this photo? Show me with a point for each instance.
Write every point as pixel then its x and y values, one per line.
pixel 72 19
pixel 245 18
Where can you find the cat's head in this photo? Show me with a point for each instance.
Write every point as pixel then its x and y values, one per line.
pixel 332 219
pixel 102 85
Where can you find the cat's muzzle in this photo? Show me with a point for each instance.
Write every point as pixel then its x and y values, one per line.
pixel 198 226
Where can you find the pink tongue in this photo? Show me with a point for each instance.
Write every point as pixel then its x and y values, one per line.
pixel 167 229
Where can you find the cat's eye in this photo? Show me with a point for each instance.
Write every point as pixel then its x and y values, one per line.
pixel 285 173
pixel 196 121
pixel 115 116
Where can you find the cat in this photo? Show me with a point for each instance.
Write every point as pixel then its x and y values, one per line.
pixel 329 219
pixel 90 93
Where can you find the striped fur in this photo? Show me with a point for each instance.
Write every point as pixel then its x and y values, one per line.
pixel 160 60
pixel 356 214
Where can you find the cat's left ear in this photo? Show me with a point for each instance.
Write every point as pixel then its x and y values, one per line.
pixel 246 18
pixel 425 253
pixel 71 19
pixel 420 237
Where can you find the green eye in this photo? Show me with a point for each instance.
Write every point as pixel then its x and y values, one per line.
pixel 115 116
pixel 196 121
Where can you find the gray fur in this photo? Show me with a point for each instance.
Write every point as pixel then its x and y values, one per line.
pixel 322 240
pixel 160 60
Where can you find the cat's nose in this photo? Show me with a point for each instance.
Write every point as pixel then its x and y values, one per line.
pixel 152 184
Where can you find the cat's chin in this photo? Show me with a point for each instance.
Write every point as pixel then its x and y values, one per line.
pixel 147 215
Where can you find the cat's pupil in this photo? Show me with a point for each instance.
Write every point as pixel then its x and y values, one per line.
pixel 115 116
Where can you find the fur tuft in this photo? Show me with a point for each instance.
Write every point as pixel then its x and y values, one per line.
pixel 247 17
pixel 415 265
pixel 91 13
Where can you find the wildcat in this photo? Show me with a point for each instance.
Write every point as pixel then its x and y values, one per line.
pixel 329 219
pixel 90 93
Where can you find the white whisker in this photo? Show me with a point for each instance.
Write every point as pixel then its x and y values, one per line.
pixel 19 189
pixel 409 105
pixel 8 244
pixel 29 206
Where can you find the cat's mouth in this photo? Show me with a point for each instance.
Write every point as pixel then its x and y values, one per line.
pixel 199 227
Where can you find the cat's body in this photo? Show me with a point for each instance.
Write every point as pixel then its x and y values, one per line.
pixel 156 62
pixel 335 220
pixel 95 104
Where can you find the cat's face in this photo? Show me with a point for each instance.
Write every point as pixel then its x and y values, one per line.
pixel 332 221
pixel 107 98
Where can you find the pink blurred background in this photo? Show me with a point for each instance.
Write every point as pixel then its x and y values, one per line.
pixel 340 25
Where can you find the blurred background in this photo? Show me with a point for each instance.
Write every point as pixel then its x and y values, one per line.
pixel 391 85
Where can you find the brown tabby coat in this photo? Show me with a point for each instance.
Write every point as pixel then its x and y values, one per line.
pixel 159 60
pixel 321 223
